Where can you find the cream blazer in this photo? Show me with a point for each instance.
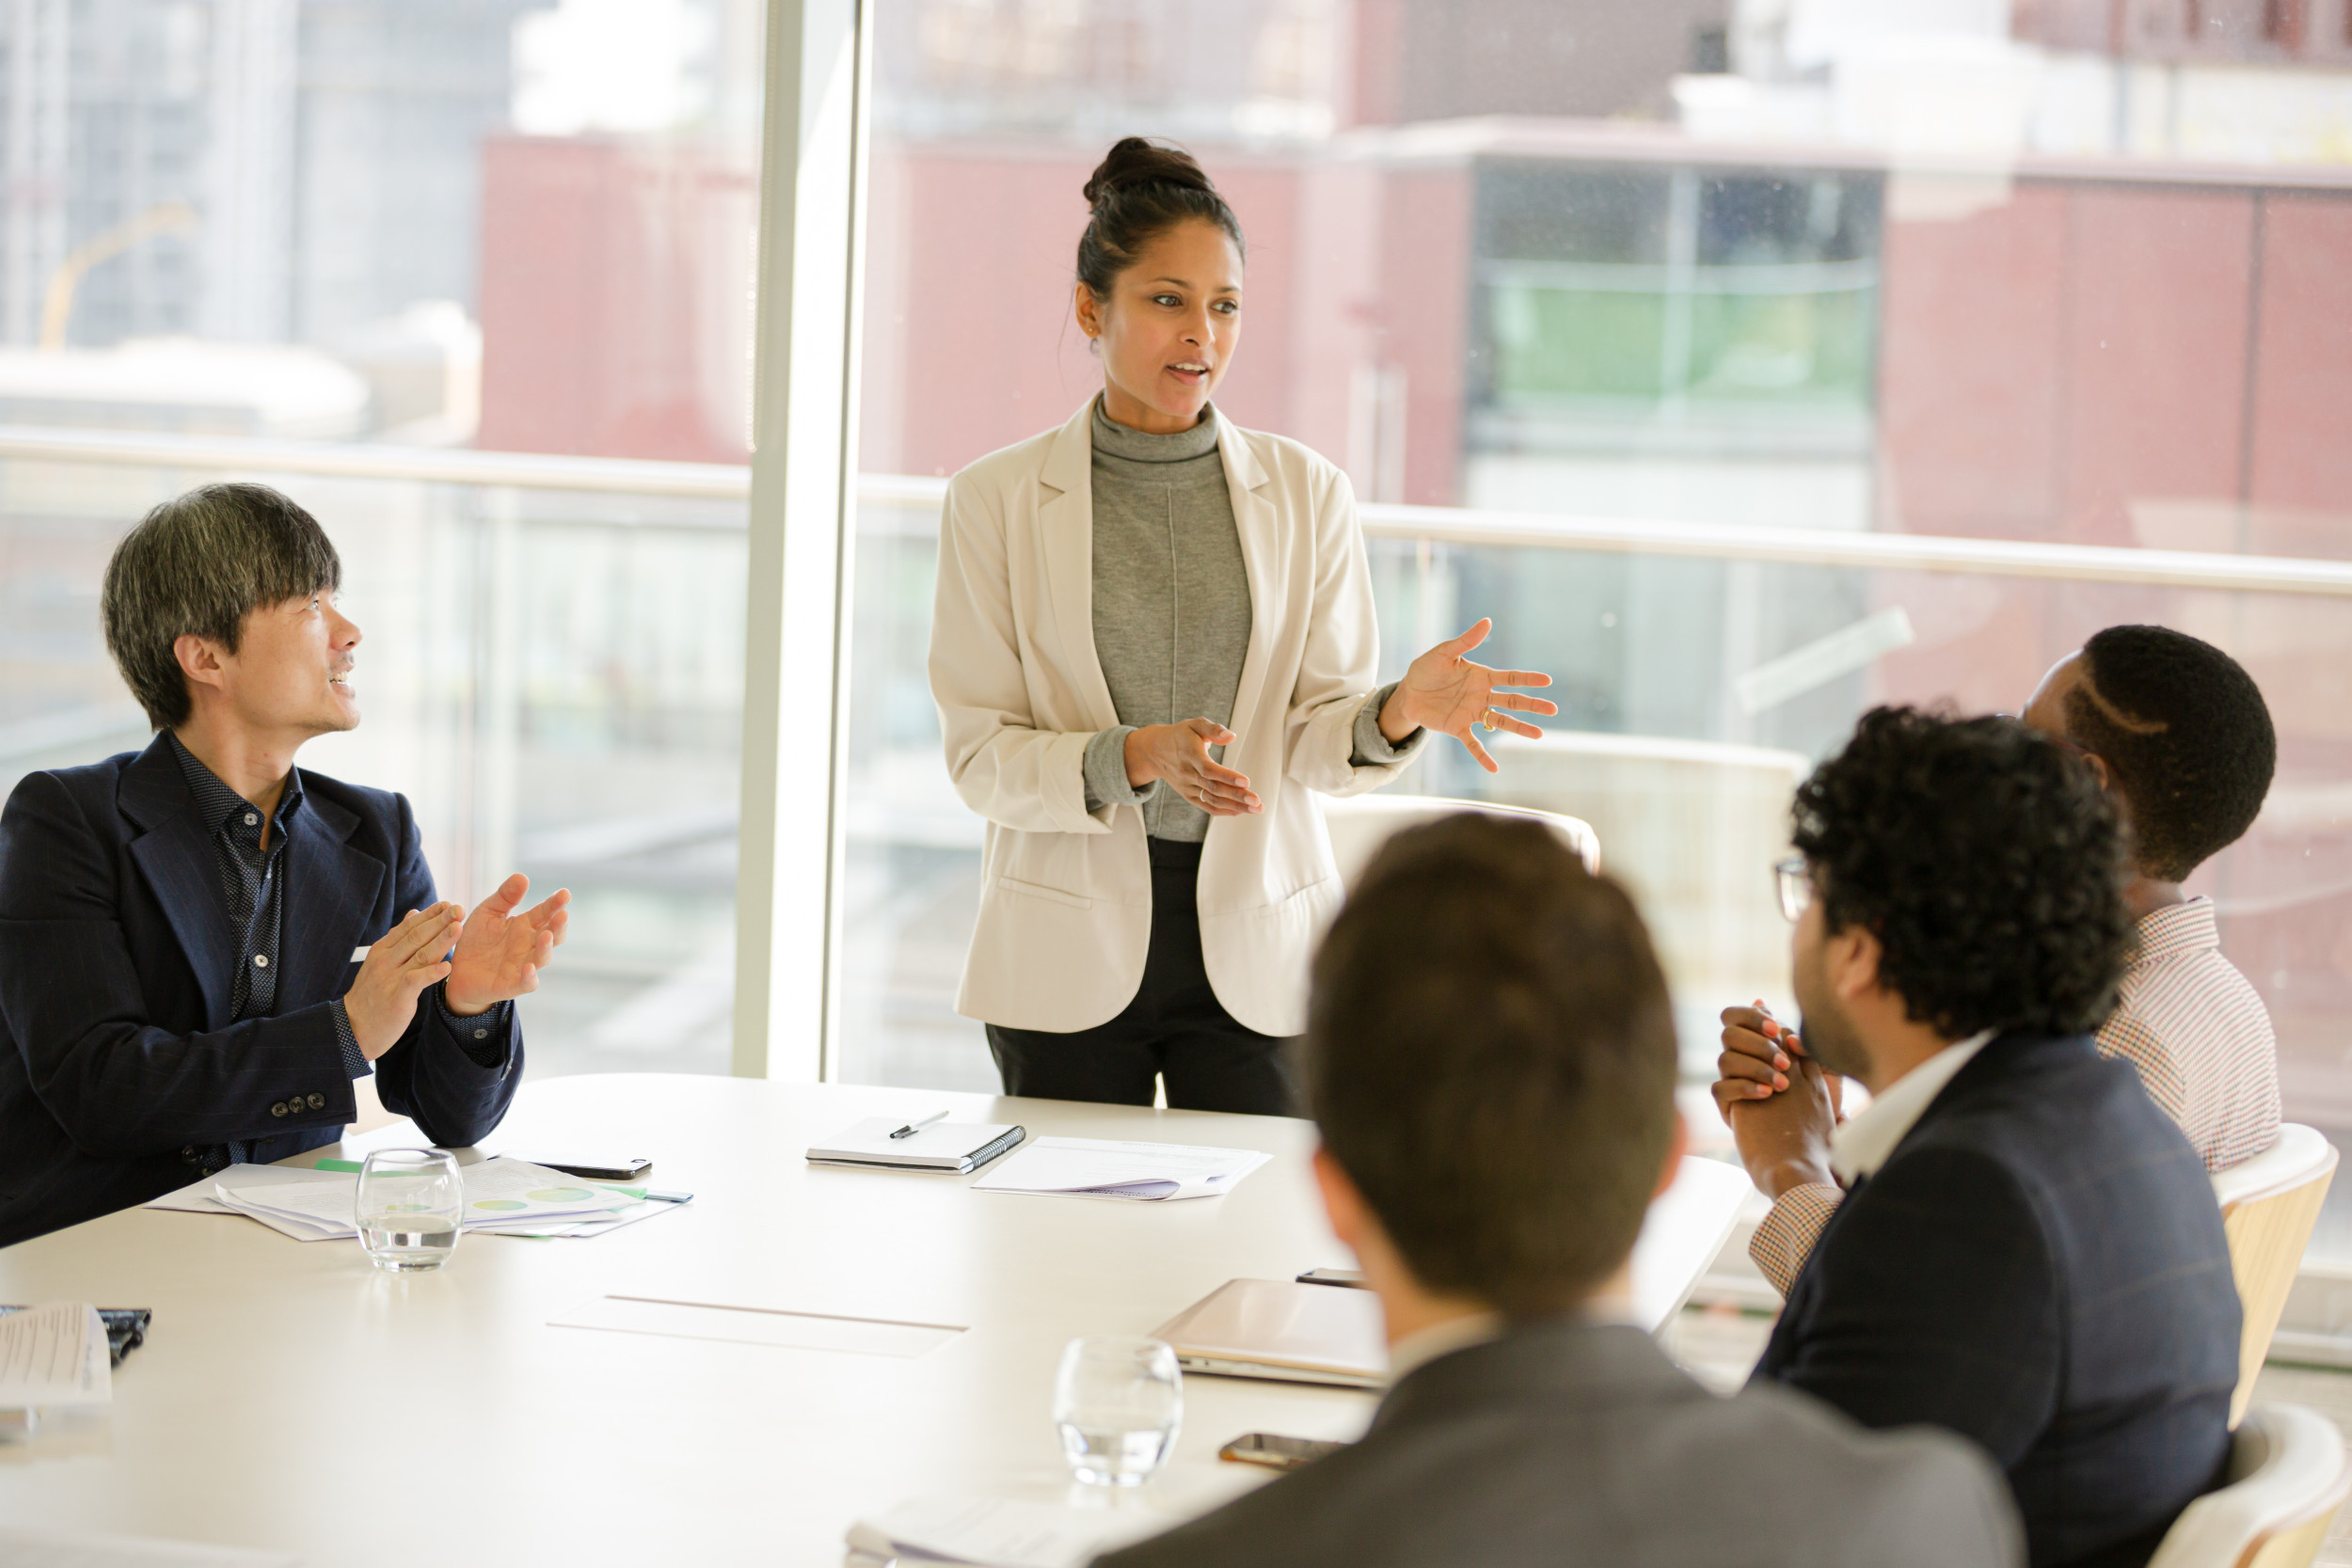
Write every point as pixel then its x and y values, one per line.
pixel 1066 895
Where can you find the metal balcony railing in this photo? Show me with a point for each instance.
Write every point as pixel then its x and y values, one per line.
pixel 1907 552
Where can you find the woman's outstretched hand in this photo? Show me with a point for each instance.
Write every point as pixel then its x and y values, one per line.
pixel 1180 755
pixel 1452 694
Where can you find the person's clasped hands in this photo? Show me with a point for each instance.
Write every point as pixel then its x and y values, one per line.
pixel 1788 1103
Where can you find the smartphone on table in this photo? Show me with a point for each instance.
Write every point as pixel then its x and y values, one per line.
pixel 598 1169
pixel 1276 1452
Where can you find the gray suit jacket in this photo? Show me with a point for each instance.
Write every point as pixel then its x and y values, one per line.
pixel 1568 1443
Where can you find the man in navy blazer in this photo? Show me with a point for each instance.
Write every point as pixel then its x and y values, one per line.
pixel 201 946
pixel 2028 1252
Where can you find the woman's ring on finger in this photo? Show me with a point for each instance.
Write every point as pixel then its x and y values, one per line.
pixel 1488 719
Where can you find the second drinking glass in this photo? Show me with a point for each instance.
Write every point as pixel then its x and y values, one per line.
pixel 1118 1401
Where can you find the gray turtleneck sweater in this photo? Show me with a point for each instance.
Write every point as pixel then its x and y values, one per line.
pixel 1172 610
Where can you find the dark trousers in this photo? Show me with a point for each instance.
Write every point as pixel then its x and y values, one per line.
pixel 1175 1029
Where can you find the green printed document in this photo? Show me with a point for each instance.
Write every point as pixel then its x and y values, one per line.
pixel 502 1196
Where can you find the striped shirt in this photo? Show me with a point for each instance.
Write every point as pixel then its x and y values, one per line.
pixel 2185 1017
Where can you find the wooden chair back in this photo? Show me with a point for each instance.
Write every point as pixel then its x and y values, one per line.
pixel 2268 1207
pixel 2286 1478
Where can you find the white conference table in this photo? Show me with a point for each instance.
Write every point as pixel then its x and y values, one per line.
pixel 291 1396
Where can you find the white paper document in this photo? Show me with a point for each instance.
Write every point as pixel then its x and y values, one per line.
pixel 1096 1167
pixel 502 1196
pixel 54 1357
pixel 945 1146
pixel 998 1533
pixel 196 1197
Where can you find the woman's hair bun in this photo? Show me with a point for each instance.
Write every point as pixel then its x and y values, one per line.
pixel 1133 161
pixel 1141 189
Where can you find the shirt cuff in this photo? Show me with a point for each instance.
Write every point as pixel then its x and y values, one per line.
pixel 482 1036
pixel 1372 748
pixel 355 1060
pixel 1106 770
pixel 1784 1243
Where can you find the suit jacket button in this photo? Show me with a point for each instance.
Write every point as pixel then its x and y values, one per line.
pixel 188 1154
pixel 278 1109
pixel 317 1102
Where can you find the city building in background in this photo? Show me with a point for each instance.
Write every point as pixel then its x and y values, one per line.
pixel 338 224
pixel 1938 267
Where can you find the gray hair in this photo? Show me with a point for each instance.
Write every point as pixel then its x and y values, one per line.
pixel 199 563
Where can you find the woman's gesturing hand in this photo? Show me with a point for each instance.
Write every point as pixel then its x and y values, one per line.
pixel 1180 755
pixel 399 965
pixel 1444 691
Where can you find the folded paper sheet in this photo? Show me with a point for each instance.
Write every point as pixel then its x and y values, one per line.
pixel 54 1356
pixel 1095 1168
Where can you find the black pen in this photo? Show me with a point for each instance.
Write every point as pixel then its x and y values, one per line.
pixel 914 1127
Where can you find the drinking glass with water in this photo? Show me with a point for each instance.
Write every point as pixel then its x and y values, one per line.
pixel 1117 1401
pixel 410 1203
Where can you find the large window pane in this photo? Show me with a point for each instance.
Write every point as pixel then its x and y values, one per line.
pixel 1903 268
pixel 388 231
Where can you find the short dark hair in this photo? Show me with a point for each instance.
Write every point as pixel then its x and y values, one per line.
pixel 1137 192
pixel 2185 736
pixel 201 563
pixel 1491 1056
pixel 1986 860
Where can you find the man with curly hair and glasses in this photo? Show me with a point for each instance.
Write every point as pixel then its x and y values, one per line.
pixel 2028 1251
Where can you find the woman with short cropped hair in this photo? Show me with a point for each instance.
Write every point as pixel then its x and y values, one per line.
pixel 1153 645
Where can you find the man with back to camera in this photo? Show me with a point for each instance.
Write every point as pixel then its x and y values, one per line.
pixel 2028 1252
pixel 201 947
pixel 2179 734
pixel 1490 1059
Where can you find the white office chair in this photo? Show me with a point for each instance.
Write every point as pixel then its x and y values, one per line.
pixel 1361 823
pixel 2286 1480
pixel 2268 1205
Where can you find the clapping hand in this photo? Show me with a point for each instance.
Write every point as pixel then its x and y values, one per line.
pixel 400 964
pixel 499 952
pixel 1446 691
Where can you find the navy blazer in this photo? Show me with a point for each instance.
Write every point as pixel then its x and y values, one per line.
pixel 118 1058
pixel 2039 1266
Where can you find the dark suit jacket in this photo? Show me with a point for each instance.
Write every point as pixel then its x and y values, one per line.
pixel 2039 1266
pixel 116 1055
pixel 1568 1443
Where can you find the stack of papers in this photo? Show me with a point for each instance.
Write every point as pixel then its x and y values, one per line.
pixel 54 1356
pixel 997 1533
pixel 1096 1167
pixel 945 1146
pixel 502 1197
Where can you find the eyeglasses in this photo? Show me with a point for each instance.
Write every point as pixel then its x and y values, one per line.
pixel 1796 887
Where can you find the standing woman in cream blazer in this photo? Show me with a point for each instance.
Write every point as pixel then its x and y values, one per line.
pixel 1152 645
